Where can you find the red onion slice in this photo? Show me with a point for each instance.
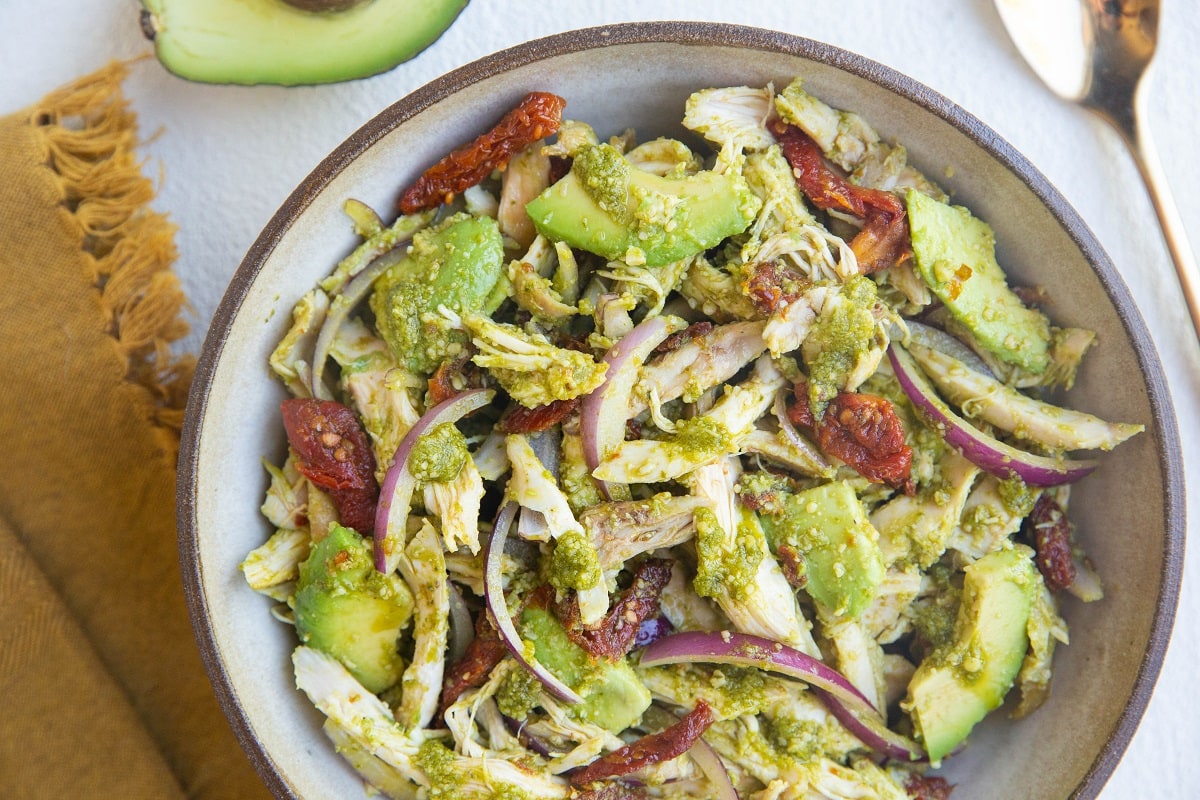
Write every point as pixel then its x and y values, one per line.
pixel 806 448
pixel 874 734
pixel 986 452
pixel 937 339
pixel 714 769
pixel 528 740
pixel 339 311
pixel 462 627
pixel 398 483
pixel 746 650
pixel 604 412
pixel 652 630
pixel 493 592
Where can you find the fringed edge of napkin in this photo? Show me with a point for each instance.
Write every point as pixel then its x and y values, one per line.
pixel 90 135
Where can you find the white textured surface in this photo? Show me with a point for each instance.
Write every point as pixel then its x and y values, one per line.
pixel 229 156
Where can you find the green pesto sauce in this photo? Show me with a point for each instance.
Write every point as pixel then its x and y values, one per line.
pixel 929 446
pixel 768 490
pixel 731 692
pixel 438 762
pixel 745 687
pixel 574 563
pixel 533 382
pixel 448 776
pixel 1018 498
pixel 802 739
pixel 518 694
pixel 439 455
pixel 723 570
pixel 935 621
pixel 935 624
pixel 457 264
pixel 577 483
pixel 399 309
pixel 979 519
pixel 701 437
pixel 838 340
pixel 507 791
pixel 604 173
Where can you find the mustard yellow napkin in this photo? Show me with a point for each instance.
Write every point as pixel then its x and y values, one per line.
pixel 103 690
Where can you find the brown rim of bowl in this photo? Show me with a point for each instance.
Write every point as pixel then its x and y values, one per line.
pixel 696 33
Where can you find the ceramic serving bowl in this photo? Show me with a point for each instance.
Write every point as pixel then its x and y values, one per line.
pixel 1130 512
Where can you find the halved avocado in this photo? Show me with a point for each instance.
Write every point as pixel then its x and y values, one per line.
pixel 270 41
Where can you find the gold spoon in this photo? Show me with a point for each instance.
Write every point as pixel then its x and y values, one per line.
pixel 1095 53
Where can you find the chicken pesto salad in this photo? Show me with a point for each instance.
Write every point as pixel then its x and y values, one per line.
pixel 624 469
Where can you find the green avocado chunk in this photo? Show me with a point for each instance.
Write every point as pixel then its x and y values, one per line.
pixel 456 264
pixel 960 682
pixel 828 526
pixel 955 253
pixel 607 206
pixel 348 610
pixel 613 695
pixel 269 41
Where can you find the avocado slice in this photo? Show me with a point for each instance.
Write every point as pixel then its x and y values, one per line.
pixel 607 206
pixel 955 253
pixel 455 264
pixel 959 683
pixel 614 697
pixel 829 527
pixel 348 610
pixel 270 41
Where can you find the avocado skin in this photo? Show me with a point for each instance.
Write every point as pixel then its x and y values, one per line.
pixel 955 254
pixel 271 42
pixel 348 610
pixel 959 684
pixel 613 695
pixel 828 525
pixel 584 210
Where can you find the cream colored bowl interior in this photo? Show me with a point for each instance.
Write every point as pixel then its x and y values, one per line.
pixel 1123 511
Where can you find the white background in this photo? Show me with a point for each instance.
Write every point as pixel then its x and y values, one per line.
pixel 226 157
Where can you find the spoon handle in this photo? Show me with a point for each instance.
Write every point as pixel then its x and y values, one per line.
pixel 1169 219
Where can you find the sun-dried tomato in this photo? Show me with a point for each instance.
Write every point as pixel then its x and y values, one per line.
pixel 771 284
pixel 884 240
pixel 1050 531
pixel 927 787
pixel 441 382
pixel 334 453
pixel 862 430
pixel 820 184
pixel 800 412
pixel 614 635
pixel 537 116
pixel 612 791
pixel 794 565
pixel 678 339
pixel 520 419
pixel 652 749
pixel 767 501
pixel 484 652
pixel 559 167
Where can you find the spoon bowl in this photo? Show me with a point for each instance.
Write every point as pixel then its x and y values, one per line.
pixel 1096 53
